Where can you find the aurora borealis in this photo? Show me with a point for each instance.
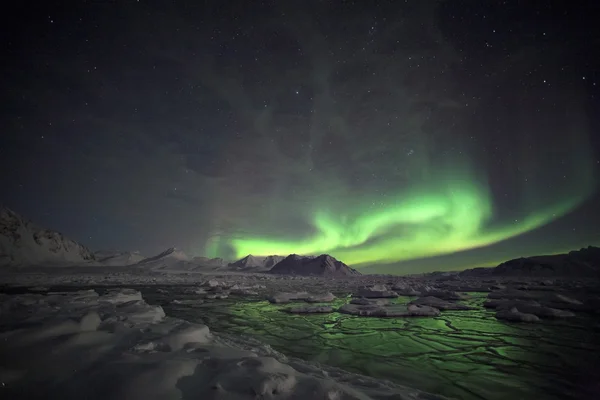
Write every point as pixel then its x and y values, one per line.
pixel 397 137
pixel 422 225
pixel 452 214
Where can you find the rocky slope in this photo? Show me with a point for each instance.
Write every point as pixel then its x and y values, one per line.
pixel 215 263
pixel 172 258
pixel 323 265
pixel 24 243
pixel 578 263
pixel 118 258
pixel 252 263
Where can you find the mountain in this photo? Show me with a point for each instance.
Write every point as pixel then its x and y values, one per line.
pixel 323 265
pixel 24 243
pixel 170 256
pixel 214 263
pixel 579 263
pixel 252 263
pixel 209 264
pixel 176 260
pixel 118 258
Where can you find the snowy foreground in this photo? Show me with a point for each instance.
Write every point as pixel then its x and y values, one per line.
pixel 116 346
pixel 472 338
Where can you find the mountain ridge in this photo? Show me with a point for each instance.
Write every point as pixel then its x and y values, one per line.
pixel 323 265
pixel 118 258
pixel 584 262
pixel 23 243
pixel 256 263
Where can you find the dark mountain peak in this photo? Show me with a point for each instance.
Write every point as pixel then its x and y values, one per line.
pixel 322 265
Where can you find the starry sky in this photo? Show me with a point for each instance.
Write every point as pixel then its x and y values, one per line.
pixel 398 136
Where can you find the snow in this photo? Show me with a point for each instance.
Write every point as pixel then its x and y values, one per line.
pixel 391 310
pixel 575 264
pixel 529 307
pixel 115 345
pixel 516 316
pixel 439 303
pixel 257 264
pixel 309 309
pixel 24 243
pixel 288 297
pixel 174 260
pixel 375 292
pixel 117 259
pixel 209 262
pixel 363 301
pixel 170 254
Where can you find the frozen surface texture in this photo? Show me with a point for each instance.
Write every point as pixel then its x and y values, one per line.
pixel 464 350
pixel 482 338
pixel 74 345
pixel 284 297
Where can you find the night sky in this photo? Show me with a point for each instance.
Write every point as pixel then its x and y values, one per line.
pixel 397 136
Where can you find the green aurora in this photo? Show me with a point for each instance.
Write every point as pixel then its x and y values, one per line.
pixel 450 203
pixel 420 225
pixel 452 214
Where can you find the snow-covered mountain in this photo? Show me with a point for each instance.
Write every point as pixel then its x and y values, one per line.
pixel 209 262
pixel 252 263
pixel 118 258
pixel 24 243
pixel 323 265
pixel 578 263
pixel 170 256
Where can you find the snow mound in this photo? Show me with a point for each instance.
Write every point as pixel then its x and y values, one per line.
pixel 310 310
pixel 529 307
pixel 390 310
pixel 376 292
pixel 285 297
pixel 23 243
pixel 515 315
pixel 440 304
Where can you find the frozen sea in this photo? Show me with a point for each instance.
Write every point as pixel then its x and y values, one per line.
pixel 459 354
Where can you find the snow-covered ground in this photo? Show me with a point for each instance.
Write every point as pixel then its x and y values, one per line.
pixel 116 346
pixel 467 349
